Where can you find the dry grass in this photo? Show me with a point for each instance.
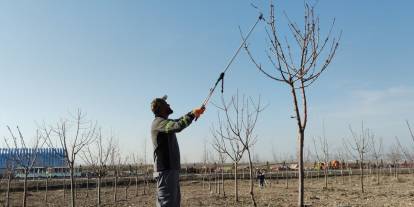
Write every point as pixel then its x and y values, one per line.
pixel 390 192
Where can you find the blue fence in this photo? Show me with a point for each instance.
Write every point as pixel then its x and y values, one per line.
pixel 45 157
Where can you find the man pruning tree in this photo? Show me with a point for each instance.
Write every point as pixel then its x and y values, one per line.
pixel 166 151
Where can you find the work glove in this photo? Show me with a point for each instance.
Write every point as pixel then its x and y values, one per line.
pixel 198 111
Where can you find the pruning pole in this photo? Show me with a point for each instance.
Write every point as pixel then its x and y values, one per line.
pixel 221 77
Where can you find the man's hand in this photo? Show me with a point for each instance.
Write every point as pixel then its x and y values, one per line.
pixel 198 111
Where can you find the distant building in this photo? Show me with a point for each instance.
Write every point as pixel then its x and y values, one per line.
pixel 45 157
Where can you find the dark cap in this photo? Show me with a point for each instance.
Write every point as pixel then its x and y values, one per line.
pixel 156 103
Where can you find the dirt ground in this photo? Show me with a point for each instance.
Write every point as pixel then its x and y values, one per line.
pixel 390 192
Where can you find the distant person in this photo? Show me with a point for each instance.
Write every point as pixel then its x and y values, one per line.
pixel 261 178
pixel 166 151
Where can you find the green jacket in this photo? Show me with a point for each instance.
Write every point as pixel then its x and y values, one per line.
pixel 166 150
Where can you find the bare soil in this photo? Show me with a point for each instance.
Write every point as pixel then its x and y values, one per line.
pixel 342 192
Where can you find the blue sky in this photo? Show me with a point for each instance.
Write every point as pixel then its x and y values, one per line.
pixel 111 58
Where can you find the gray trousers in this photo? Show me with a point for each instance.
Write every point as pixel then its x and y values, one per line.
pixel 168 188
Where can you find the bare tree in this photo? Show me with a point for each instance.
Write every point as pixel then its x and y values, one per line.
pixel 241 116
pixel 222 158
pixel 341 156
pixel 231 147
pixel 26 156
pixel 115 160
pixel 359 147
pixel 205 159
pixel 9 173
pixel 73 135
pixel 408 153
pixel 376 153
pixel 96 156
pixel 394 155
pixel 298 67
pixel 324 157
pixel 145 168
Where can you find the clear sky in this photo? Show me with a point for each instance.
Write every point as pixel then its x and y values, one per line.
pixel 111 58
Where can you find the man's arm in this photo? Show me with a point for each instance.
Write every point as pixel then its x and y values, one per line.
pixel 174 126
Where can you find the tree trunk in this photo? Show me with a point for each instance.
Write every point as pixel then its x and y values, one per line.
pixel 378 174
pixel 136 186
pixel 301 170
pixel 236 187
pixel 222 181
pixel 64 189
pixel 217 181
pixel 286 178
pixel 98 190
pixel 9 177
pixel 87 185
pixel 126 188
pixel 326 177
pixel 361 167
pixel 209 180
pixel 72 186
pixel 251 179
pixel 25 188
pixel 46 188
pixel 115 186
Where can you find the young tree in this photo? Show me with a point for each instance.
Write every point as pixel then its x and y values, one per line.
pixel 324 148
pixel 222 159
pixel 394 155
pixel 376 153
pixel 224 142
pixel 72 135
pixel 9 173
pixel 298 67
pixel 25 156
pixel 240 122
pixel 96 156
pixel 359 147
pixel 407 153
pixel 115 162
pixel 135 161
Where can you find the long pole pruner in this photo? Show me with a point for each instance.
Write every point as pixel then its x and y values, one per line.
pixel 221 77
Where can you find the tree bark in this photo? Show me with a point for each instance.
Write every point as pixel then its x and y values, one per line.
pixel 9 177
pixel 87 185
pixel 251 179
pixel 222 181
pixel 301 186
pixel 98 186
pixel 378 174
pixel 236 187
pixel 361 167
pixel 115 186
pixel 136 186
pixel 46 188
pixel 72 186
pixel 25 188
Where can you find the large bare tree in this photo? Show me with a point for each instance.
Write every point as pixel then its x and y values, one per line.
pixel 237 131
pixel 298 65
pixel 25 156
pixel 72 135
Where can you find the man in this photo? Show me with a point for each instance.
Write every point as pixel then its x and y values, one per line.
pixel 261 178
pixel 166 151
